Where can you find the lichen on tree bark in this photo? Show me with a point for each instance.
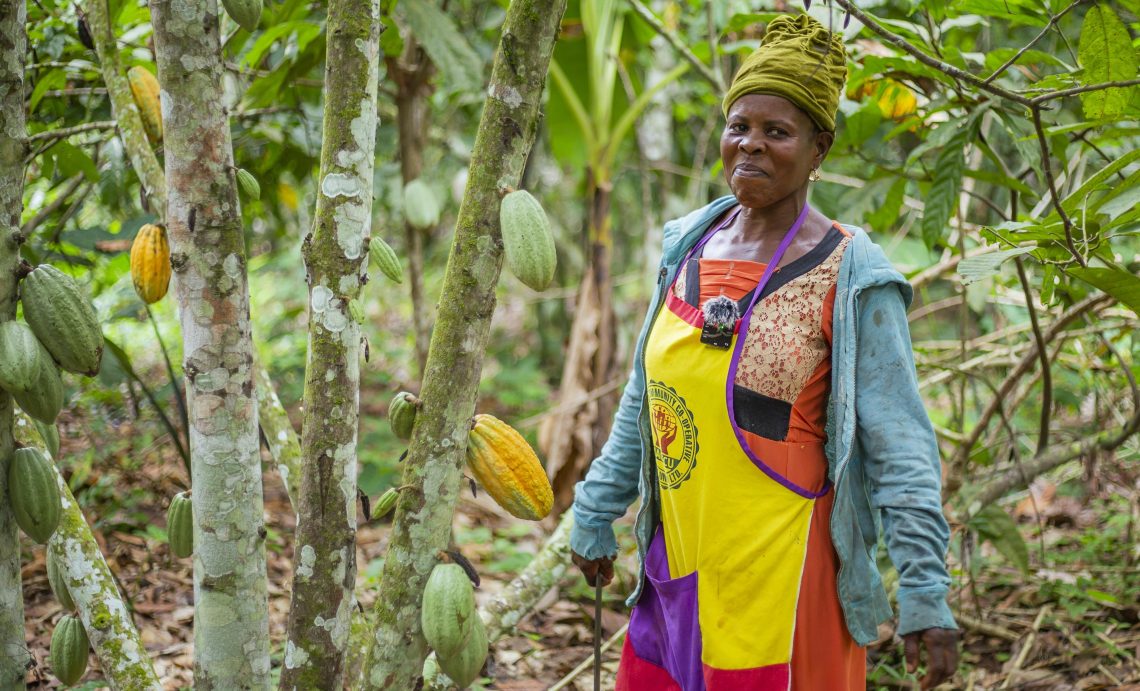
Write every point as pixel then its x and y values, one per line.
pixel 423 514
pixel 231 625
pixel 336 253
pixel 124 660
pixel 14 655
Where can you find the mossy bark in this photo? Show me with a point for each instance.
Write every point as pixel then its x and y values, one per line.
pixel 14 656
pixel 336 255
pixel 125 662
pixel 231 623
pixel 433 468
pixel 123 106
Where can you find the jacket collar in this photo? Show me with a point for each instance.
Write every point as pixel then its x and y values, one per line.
pixel 866 264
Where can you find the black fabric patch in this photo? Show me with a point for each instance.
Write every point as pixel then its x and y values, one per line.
pixel 761 415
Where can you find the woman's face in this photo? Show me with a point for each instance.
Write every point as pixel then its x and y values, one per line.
pixel 768 148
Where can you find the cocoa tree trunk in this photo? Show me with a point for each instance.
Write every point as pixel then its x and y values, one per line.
pixel 336 254
pixel 123 107
pixel 439 440
pixel 231 624
pixel 412 74
pixel 114 638
pixel 14 655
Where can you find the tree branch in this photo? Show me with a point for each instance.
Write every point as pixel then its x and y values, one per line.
pixel 51 207
pixel 704 70
pixel 1046 373
pixel 1054 195
pixel 1063 93
pixel 1052 22
pixel 929 61
pixel 65 132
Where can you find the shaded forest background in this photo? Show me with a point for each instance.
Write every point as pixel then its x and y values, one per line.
pixel 978 142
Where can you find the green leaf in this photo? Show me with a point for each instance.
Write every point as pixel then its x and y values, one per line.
pixel 1076 198
pixel 71 160
pixel 943 196
pixel 1105 52
pixel 391 42
pixel 445 44
pixel 973 269
pixel 994 524
pixel 862 124
pixel 883 218
pixel 1118 283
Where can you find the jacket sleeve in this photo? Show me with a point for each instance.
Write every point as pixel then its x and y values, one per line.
pixel 903 469
pixel 611 483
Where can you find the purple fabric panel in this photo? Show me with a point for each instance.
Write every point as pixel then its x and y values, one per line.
pixel 663 628
pixel 742 331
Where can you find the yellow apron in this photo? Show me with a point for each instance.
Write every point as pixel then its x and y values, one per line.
pixel 724 571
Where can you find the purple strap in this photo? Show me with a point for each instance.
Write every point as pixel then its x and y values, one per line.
pixel 738 349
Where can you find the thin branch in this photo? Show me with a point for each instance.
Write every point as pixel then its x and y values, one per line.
pixel 1089 303
pixel 1046 374
pixel 1017 56
pixel 1054 195
pixel 77 91
pixel 65 132
pixel 1063 93
pixel 704 70
pixel 51 207
pixel 928 60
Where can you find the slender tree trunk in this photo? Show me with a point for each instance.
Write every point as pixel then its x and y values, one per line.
pixel 14 655
pixel 123 106
pixel 231 624
pixel 280 437
pixel 114 638
pixel 573 438
pixel 412 73
pixel 336 253
pixel 435 458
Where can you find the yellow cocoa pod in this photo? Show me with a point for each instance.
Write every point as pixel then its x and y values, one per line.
pixel 508 469
pixel 144 87
pixel 896 101
pixel 150 263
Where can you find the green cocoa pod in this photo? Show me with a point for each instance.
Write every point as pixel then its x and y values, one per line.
pixel 421 206
pixel 50 434
pixel 62 317
pixel 20 357
pixel 69 647
pixel 384 257
pixel 247 14
pixel 180 525
pixel 431 671
pixel 33 494
pixel 528 245
pixel 402 414
pixel 246 182
pixel 448 615
pixel 58 582
pixel 385 503
pixel 465 667
pixel 44 401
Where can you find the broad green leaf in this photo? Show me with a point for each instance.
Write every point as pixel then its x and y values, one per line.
pixel 391 42
pixel 943 195
pixel 1118 283
pixel 445 44
pixel 994 524
pixel 55 79
pixel 1077 197
pixel 71 160
pixel 1106 54
pixel 973 269
pixel 862 124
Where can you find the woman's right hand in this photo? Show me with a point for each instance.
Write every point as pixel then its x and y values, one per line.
pixel 592 569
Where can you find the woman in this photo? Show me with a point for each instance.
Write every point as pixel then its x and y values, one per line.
pixel 773 424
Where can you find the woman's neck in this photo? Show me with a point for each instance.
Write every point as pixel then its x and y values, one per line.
pixel 759 225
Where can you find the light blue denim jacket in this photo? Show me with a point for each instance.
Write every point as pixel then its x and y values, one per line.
pixel 881 450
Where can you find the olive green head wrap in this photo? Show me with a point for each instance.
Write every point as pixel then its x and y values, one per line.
pixel 800 60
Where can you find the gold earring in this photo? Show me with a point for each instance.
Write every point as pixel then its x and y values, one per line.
pixel 814 175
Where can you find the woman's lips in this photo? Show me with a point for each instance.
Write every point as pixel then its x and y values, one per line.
pixel 746 170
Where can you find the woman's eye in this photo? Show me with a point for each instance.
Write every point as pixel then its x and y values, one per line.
pixel 738 127
pixel 776 132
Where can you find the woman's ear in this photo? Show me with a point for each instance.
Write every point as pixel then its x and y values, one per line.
pixel 823 142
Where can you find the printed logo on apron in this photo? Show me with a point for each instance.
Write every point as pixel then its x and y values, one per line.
pixel 674 435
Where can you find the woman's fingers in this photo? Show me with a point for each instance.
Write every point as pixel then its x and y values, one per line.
pixel 910 650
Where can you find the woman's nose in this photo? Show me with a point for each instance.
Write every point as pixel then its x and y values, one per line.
pixel 751 143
